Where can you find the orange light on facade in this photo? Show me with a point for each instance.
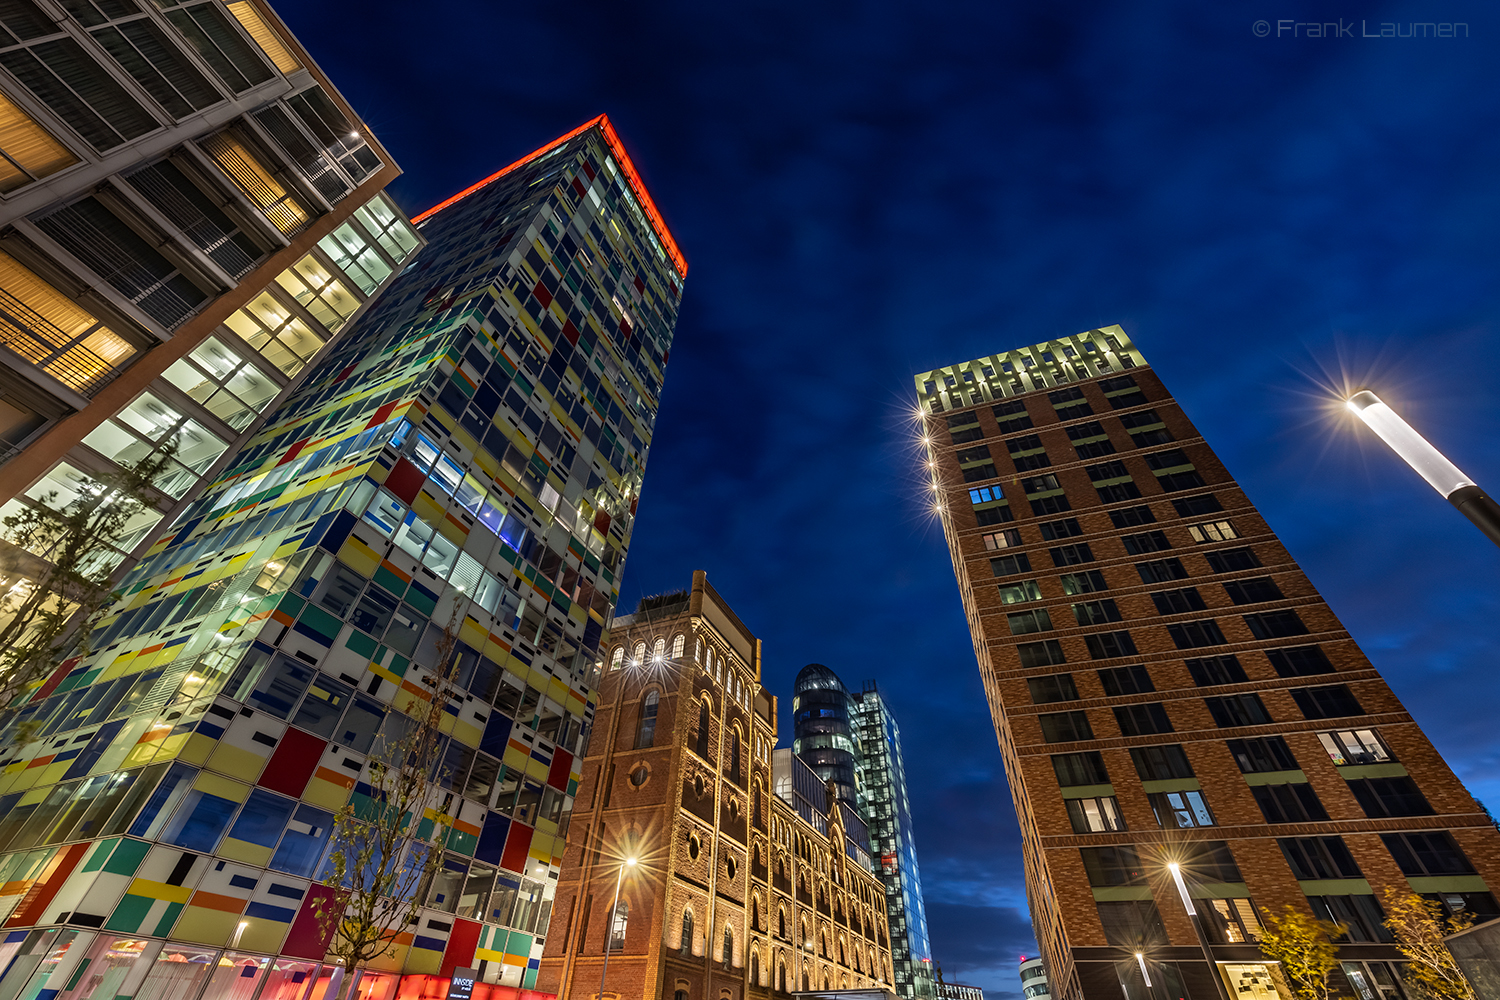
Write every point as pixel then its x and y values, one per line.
pixel 612 139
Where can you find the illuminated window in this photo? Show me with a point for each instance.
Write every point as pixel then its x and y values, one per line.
pixel 1180 810
pixel 1212 531
pixel 252 177
pixel 319 292
pixel 360 261
pixel 1002 539
pixel 1355 746
pixel 144 427
pixel 265 36
pixel 64 484
pixel 48 329
pixel 397 238
pixel 1098 815
pixel 227 385
pixel 270 328
pixel 27 152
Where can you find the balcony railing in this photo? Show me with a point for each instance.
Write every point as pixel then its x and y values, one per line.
pixel 33 337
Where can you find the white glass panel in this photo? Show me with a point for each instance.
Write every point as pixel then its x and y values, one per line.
pixel 190 380
pixel 150 416
pixel 216 358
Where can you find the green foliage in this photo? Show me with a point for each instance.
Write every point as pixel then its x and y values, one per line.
pixel 1419 928
pixel 1304 947
pixel 57 568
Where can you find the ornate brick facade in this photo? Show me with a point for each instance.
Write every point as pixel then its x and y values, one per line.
pixel 733 894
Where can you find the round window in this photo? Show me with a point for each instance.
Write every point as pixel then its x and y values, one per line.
pixel 693 848
pixel 698 785
pixel 734 809
pixel 729 866
pixel 639 774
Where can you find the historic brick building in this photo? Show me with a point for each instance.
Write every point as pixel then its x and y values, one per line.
pixel 725 890
pixel 1167 685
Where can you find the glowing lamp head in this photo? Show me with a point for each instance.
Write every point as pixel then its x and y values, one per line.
pixel 1187 901
pixel 1429 463
pixel 630 862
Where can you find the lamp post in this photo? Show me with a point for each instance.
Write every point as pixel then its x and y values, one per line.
pixel 1192 911
pixel 1429 463
pixel 609 934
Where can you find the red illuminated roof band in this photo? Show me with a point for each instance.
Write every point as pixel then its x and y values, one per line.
pixel 612 138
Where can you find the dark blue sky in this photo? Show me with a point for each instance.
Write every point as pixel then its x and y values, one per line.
pixel 868 190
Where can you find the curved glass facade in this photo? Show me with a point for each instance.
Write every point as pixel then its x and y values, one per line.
pixel 822 731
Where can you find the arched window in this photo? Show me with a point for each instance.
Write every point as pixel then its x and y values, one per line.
pixel 660 649
pixel 755 968
pixel 615 660
pixel 687 933
pixel 647 731
pixel 617 926
pixel 640 653
pixel 734 755
pixel 698 649
pixel 781 978
pixel 680 995
pixel 842 959
pixel 728 946
pixel 677 642
pixel 804 982
pixel 781 923
pixel 703 729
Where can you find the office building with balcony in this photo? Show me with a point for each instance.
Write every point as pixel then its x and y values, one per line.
pixel 438 511
pixel 190 213
pixel 705 863
pixel 1167 686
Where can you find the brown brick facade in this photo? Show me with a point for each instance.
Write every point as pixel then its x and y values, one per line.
pixel 1102 513
pixel 713 842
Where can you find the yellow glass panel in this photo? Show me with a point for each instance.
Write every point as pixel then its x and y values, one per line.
pixel 109 346
pixel 265 36
pixel 29 145
pixel 298 337
pixel 268 311
pixel 241 323
pixel 336 294
pixel 65 319
pixel 253 178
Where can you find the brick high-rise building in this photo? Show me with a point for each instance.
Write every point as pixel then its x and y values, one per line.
pixel 735 891
pixel 190 213
pixel 1167 685
pixel 459 474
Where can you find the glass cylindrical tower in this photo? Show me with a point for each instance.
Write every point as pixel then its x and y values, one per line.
pixel 823 735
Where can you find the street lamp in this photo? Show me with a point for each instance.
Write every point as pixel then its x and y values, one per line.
pixel 1193 918
pixel 609 933
pixel 1429 463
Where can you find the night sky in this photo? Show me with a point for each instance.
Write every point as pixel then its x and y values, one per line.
pixel 868 190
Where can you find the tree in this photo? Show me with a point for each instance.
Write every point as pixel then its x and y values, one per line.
pixel 1419 928
pixel 58 568
pixel 381 864
pixel 1304 947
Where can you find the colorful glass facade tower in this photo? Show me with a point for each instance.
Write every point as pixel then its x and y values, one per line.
pixel 1168 688
pixel 467 460
pixel 893 841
